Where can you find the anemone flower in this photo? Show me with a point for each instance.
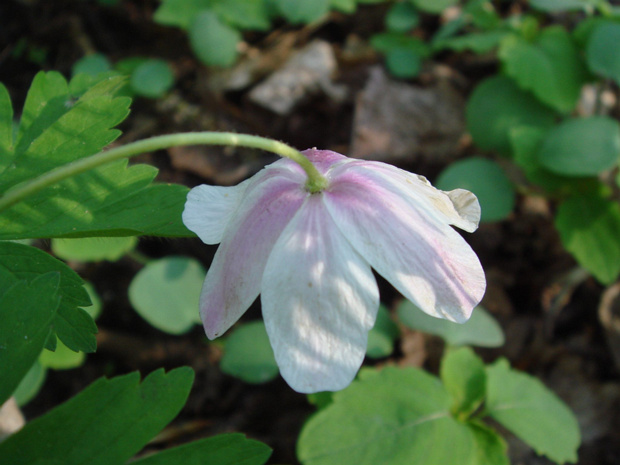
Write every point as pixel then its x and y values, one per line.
pixel 309 256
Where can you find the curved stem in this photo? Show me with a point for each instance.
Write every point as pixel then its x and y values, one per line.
pixel 316 182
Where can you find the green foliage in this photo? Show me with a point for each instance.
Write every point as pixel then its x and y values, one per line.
pixel 402 17
pixel 382 336
pixel 392 415
pixel 62 358
pixel 213 41
pixel 92 249
pixel 248 354
pixel 480 330
pixel 28 311
pixel 549 66
pixel 302 11
pixel 589 226
pixel 128 414
pixel 152 78
pixel 433 6
pixel 403 53
pixel 526 407
pixel 166 293
pixel 91 65
pixel 560 5
pixel 111 200
pixel 30 384
pixel 487 180
pixel 225 449
pixel 602 56
pixel 480 42
pixel 581 146
pixel 498 105
pixel 72 324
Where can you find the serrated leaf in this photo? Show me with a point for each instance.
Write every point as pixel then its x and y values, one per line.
pixel 550 66
pixel 589 228
pixel 480 330
pixel 248 354
pixel 302 11
pixel 27 310
pixel 166 293
pixel 382 335
pixel 389 417
pixel 487 180
pixel 62 358
pixel 128 414
pixel 55 130
pixel 113 200
pixel 225 449
pixel 463 376
pixel 72 324
pixel 213 41
pixel 497 106
pixel 581 146
pixel 526 407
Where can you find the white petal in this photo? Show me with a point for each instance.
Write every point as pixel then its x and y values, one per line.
pixel 414 249
pixel 319 301
pixel 458 207
pixel 271 199
pixel 208 210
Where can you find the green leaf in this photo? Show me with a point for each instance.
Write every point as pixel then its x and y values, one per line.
pixel 346 6
pixel 248 354
pixel 404 63
pixel 6 128
pixel 244 14
pixel 26 316
pixel 213 41
pixel 497 106
pixel 225 449
pixel 487 180
pixel 31 384
pixel 128 414
pixel 433 6
pixel 603 58
pixel 480 330
pixel 180 13
pixel 477 42
pixel 402 17
pixel 490 447
pixel 62 358
pixel 113 200
pixel 91 65
pixel 393 416
pixel 388 41
pixel 54 130
pixel 483 14
pixel 152 78
pixel 382 336
pixel 526 407
pixel 550 66
pixel 166 293
pixel 553 6
pixel 581 146
pixel 93 249
pixel 95 309
pixel 589 228
pixel 72 324
pixel 302 11
pixel 463 376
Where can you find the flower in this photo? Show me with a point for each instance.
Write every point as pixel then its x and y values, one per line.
pixel 309 256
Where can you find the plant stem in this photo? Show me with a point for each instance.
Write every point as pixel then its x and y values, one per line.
pixel 316 182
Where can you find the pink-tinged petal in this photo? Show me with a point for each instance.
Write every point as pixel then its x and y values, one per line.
pixel 271 199
pixel 459 207
pixel 323 160
pixel 209 209
pixel 319 301
pixel 414 249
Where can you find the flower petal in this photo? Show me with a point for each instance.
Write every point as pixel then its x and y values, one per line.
pixel 410 245
pixel 271 199
pixel 209 209
pixel 459 207
pixel 319 300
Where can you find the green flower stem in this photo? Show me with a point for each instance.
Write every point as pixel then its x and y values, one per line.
pixel 316 182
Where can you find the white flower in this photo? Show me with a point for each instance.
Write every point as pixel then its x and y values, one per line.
pixel 309 256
